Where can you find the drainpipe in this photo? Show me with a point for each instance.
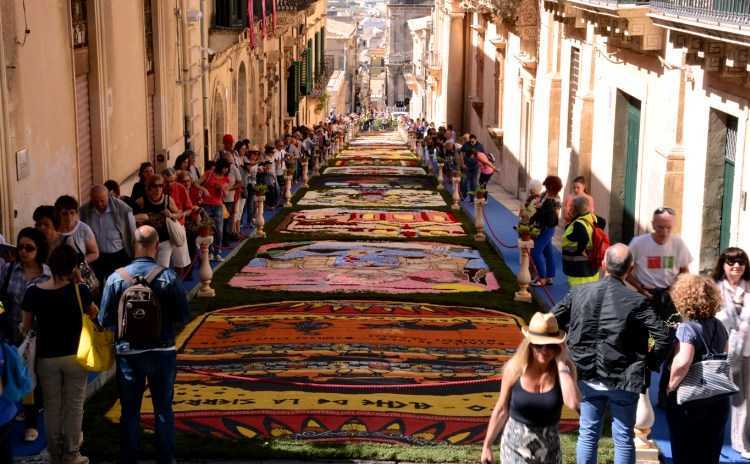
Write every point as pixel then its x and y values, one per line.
pixel 204 80
pixel 182 58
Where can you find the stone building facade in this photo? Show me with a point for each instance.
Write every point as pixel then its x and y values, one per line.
pixel 89 89
pixel 398 47
pixel 647 100
pixel 342 51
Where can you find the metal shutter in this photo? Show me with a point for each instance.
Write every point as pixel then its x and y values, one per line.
pixel 83 137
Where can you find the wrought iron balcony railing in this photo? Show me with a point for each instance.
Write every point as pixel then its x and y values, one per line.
pixel 715 11
pixel 293 5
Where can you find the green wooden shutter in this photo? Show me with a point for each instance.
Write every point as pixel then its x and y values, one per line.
pixel 322 48
pixel 297 80
pixel 303 73
pixel 730 149
pixel 631 168
pixel 309 82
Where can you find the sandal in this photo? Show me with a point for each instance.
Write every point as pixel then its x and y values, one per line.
pixel 539 283
pixel 30 435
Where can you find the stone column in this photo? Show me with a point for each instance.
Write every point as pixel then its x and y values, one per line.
pixel 453 70
pixel 205 273
pixel 524 275
pixel 553 138
pixel 456 196
pixel 479 203
pixel 260 221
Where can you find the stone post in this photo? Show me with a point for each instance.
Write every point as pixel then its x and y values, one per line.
pixel 205 273
pixel 316 165
pixel 645 449
pixel 288 191
pixel 524 275
pixel 456 180
pixel 305 164
pixel 440 179
pixel 260 221
pixel 479 219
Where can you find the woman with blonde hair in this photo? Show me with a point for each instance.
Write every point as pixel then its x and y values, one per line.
pixel 537 380
pixel 696 428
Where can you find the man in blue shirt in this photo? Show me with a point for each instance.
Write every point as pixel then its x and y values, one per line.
pixel 154 361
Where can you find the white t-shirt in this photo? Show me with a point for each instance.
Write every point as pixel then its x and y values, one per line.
pixel 235 176
pixel 78 237
pixel 278 162
pixel 657 266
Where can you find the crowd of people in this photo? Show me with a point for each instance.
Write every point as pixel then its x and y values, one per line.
pixel 636 311
pixel 81 259
pixel 631 310
pixel 464 156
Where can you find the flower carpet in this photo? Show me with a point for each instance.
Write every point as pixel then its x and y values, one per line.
pixel 382 267
pixel 380 197
pixel 376 170
pixel 303 342
pixel 374 182
pixel 385 155
pixel 373 223
pixel 367 161
pixel 342 370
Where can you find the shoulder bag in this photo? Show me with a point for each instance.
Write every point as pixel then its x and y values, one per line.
pixel 708 378
pixel 177 235
pixel 96 344
pixel 88 276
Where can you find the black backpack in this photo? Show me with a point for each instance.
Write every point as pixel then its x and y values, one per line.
pixel 139 314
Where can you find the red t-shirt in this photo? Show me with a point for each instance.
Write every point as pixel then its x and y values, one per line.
pixel 181 198
pixel 215 186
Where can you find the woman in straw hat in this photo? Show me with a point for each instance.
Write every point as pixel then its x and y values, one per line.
pixel 537 380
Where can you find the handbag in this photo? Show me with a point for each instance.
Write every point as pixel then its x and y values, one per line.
pixel 27 350
pixel 708 378
pixel 177 234
pixel 88 276
pixel 96 344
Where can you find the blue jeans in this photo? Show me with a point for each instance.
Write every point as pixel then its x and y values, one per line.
pixel 622 405
pixel 544 260
pixel 216 213
pixel 159 368
pixel 468 183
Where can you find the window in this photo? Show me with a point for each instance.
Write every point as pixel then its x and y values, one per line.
pixel 80 28
pixel 230 13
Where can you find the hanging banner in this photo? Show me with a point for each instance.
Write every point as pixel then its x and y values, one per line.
pixel 263 21
pixel 273 16
pixel 251 23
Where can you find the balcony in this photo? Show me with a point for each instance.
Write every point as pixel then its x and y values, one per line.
pixel 293 5
pixel 732 15
pixel 625 23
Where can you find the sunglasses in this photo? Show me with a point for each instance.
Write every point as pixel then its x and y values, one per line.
pixel 732 260
pixel 664 209
pixel 27 248
pixel 544 347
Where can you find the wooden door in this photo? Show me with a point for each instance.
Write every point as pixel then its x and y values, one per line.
pixel 632 140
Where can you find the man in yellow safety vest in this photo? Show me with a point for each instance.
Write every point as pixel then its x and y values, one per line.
pixel 577 245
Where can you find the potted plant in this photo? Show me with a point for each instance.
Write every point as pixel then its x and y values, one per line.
pixel 260 190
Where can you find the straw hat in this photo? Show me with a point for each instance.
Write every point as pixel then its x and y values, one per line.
pixel 543 330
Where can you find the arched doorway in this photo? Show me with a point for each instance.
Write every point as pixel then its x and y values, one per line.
pixel 242 103
pixel 218 119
